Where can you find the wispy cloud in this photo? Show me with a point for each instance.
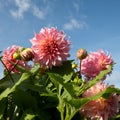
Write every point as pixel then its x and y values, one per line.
pixel 76 6
pixel 38 13
pixel 74 24
pixel 23 6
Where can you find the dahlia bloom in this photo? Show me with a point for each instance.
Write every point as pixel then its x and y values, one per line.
pixel 8 58
pixel 94 63
pixel 102 108
pixel 50 47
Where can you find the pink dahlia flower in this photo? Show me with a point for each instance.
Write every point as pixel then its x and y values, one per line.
pixel 8 58
pixel 100 109
pixel 50 47
pixel 94 63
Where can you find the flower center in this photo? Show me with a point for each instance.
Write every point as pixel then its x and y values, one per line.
pixel 51 48
pixel 102 102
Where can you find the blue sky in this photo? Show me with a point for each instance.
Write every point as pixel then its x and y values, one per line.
pixel 90 24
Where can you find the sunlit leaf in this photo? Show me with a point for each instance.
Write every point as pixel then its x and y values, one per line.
pixel 57 79
pixel 78 103
pixel 28 115
pixel 96 79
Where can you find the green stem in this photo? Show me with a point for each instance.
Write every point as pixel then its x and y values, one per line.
pixel 67 112
pixel 70 113
pixel 61 103
pixel 62 115
pixel 61 108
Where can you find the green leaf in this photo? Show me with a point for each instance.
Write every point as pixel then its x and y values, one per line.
pixel 95 80
pixel 78 103
pixel 57 79
pixel 64 70
pixel 25 76
pixel 3 104
pixel 28 115
pixel 6 92
pixel 35 69
pixel 118 116
pixel 36 88
pixel 6 81
pixel 24 99
pixel 110 90
pixel 100 76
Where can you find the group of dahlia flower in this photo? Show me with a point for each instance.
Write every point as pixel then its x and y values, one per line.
pixel 51 48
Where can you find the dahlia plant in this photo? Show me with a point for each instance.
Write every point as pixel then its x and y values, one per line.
pixel 41 83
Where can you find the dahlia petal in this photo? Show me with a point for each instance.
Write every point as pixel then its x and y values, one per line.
pixel 59 58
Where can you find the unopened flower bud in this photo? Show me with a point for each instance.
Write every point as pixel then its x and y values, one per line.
pixel 27 54
pixel 16 56
pixel 74 65
pixel 81 54
pixel 77 81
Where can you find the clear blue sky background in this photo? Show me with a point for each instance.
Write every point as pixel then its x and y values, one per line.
pixel 90 24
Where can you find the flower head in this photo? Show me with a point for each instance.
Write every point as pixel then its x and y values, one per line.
pixel 101 108
pixel 94 63
pixel 9 60
pixel 50 47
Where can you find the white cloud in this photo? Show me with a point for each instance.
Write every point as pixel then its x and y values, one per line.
pixel 43 10
pixel 73 24
pixel 38 13
pixel 23 6
pixel 30 6
pixel 76 5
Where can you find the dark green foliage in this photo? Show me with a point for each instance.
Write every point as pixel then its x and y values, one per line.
pixel 51 95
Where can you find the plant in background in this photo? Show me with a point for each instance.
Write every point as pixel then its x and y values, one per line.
pixel 50 87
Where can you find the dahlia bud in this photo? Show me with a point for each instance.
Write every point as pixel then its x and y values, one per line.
pixel 77 81
pixel 81 54
pixel 16 56
pixel 74 65
pixel 27 54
